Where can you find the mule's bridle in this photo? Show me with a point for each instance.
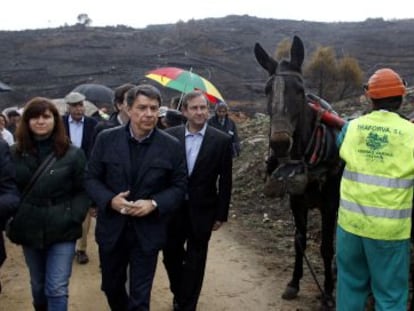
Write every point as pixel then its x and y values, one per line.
pixel 279 93
pixel 280 90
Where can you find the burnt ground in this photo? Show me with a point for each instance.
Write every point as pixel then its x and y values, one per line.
pixel 250 260
pixel 263 222
pixel 51 62
pixel 267 224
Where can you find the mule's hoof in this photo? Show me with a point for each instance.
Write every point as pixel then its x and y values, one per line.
pixel 328 303
pixel 290 293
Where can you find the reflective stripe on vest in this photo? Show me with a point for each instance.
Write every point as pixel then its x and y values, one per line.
pixel 378 180
pixel 377 183
pixel 376 211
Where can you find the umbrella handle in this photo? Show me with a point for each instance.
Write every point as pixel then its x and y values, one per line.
pixel 182 94
pixel 180 102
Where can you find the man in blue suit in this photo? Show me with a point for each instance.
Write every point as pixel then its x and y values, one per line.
pixel 137 177
pixel 80 129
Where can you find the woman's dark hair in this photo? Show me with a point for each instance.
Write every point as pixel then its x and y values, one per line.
pixel 24 136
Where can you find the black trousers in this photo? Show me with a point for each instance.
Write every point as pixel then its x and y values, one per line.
pixel 114 266
pixel 2 249
pixel 185 257
pixel 2 252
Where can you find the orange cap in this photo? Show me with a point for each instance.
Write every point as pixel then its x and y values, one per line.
pixel 385 83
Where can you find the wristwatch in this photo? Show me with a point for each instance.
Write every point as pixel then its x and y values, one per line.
pixel 154 204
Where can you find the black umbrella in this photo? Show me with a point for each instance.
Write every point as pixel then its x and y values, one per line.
pixel 4 87
pixel 62 107
pixel 98 94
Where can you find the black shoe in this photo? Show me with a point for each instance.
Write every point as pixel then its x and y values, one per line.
pixel 40 307
pixel 81 257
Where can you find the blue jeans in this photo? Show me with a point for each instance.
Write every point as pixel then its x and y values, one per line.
pixel 50 270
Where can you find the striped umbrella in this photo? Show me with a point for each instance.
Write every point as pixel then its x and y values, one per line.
pixel 185 81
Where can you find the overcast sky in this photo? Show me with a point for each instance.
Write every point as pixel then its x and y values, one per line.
pixel 31 14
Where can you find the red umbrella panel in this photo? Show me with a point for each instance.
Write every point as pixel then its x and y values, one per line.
pixel 185 81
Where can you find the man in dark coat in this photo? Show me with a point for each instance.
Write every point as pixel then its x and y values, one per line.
pixel 221 121
pixel 120 116
pixel 9 196
pixel 80 129
pixel 209 167
pixel 82 135
pixel 137 177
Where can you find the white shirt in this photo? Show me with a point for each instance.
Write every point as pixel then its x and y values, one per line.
pixel 7 136
pixel 193 143
pixel 76 131
pixel 118 117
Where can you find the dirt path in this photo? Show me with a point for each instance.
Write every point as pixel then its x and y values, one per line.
pixel 236 279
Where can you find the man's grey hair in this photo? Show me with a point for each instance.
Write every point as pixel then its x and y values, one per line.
pixel 146 90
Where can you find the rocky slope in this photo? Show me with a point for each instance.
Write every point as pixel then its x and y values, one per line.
pixel 51 62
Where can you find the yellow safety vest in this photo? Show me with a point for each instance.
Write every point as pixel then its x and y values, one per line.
pixel 377 183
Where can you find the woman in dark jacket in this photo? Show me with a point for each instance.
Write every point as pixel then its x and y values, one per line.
pixel 9 197
pixel 50 216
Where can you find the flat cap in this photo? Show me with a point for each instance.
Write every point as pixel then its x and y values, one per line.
pixel 74 98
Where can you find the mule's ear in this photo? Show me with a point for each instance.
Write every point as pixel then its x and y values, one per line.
pixel 264 59
pixel 297 52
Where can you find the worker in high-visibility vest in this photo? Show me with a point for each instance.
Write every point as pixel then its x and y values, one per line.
pixel 374 218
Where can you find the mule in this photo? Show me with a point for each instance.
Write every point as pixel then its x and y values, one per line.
pixel 291 137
